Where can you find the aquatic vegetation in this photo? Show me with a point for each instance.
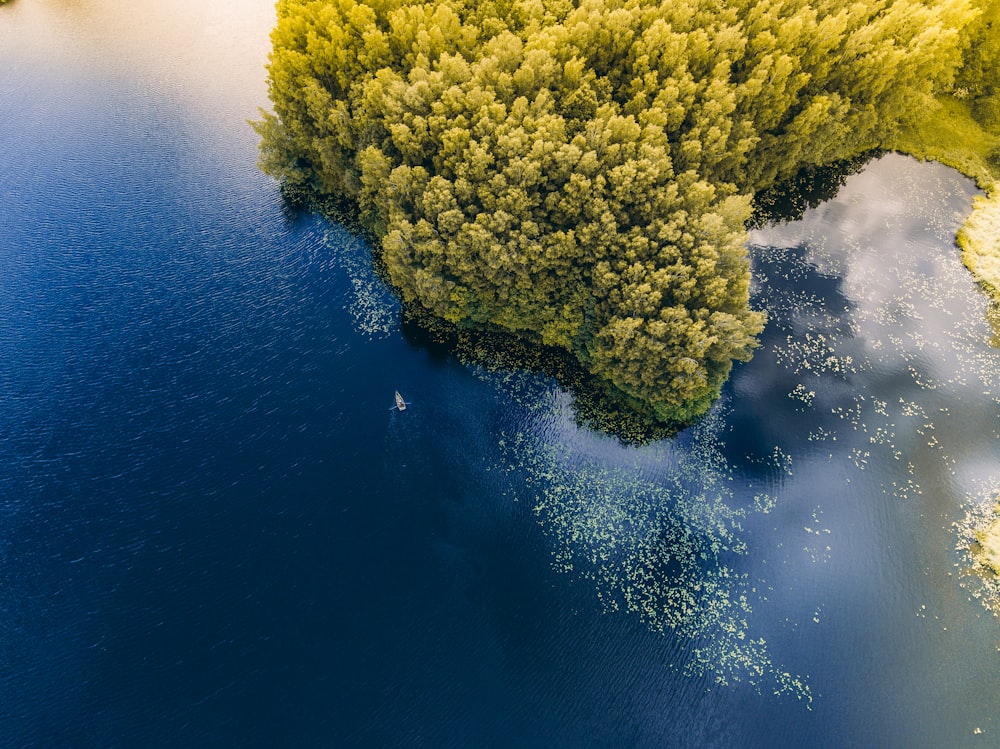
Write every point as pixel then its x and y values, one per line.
pixel 824 335
pixel 663 549
pixel 371 303
pixel 940 352
pixel 657 529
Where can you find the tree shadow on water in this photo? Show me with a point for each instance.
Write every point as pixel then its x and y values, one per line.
pixel 595 404
pixel 789 200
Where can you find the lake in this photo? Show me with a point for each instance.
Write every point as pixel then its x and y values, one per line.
pixel 215 531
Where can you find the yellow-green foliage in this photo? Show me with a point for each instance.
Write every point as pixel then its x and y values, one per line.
pixel 947 131
pixel 988 540
pixel 580 173
pixel 979 239
pixel 977 80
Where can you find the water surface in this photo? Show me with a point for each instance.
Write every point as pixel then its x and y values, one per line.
pixel 215 532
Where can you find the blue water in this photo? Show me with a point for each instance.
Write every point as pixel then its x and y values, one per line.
pixel 215 532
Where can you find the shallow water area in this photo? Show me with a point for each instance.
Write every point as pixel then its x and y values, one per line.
pixel 215 531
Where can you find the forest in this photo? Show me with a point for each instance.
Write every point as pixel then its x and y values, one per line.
pixel 580 173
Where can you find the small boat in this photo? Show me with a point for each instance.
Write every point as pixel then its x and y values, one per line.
pixel 400 403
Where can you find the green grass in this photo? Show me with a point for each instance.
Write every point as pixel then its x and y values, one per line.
pixel 979 239
pixel 950 134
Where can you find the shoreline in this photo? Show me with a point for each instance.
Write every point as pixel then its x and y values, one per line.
pixel 988 540
pixel 949 134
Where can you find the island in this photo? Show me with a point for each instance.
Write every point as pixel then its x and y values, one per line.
pixel 580 174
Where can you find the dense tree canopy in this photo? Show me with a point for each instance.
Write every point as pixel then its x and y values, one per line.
pixel 979 77
pixel 580 171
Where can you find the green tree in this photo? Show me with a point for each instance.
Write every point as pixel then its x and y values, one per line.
pixel 978 75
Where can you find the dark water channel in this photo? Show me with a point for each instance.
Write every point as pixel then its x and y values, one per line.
pixel 214 531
